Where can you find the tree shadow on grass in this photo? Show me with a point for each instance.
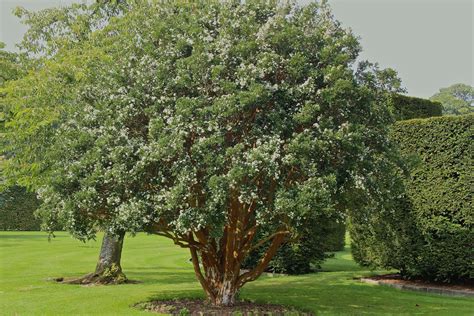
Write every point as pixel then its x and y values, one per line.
pixel 26 236
pixel 338 293
pixel 160 277
pixel 168 294
pixel 176 294
pixel 164 267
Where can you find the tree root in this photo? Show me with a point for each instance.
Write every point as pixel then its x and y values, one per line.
pixel 99 279
pixel 109 276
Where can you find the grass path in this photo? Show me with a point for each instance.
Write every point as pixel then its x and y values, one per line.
pixel 27 259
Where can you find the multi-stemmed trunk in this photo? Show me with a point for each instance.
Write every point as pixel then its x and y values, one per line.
pixel 219 272
pixel 108 269
pixel 217 261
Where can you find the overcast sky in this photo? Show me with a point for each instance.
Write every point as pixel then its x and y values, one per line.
pixel 429 42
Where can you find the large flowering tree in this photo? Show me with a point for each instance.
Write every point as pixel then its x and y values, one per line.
pixel 217 122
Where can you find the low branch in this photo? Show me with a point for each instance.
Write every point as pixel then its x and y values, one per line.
pixel 179 241
pixel 263 264
pixel 263 241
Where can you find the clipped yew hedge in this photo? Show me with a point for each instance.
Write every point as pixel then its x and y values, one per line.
pixel 440 189
pixel 17 206
pixel 405 108
pixel 429 231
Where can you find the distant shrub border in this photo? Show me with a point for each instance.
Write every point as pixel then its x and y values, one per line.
pixel 16 209
pixel 406 108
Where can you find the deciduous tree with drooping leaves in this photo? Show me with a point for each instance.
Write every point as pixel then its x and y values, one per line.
pixel 218 121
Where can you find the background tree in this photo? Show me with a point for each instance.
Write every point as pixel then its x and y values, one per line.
pixel 37 103
pixel 456 99
pixel 378 210
pixel 16 204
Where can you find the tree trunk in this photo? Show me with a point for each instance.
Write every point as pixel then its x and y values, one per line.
pixel 226 294
pixel 217 261
pixel 221 287
pixel 108 269
pixel 219 271
pixel 110 255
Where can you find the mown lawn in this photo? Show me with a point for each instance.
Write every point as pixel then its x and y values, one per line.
pixel 27 260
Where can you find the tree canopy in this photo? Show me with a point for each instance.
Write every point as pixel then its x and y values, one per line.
pixel 456 99
pixel 206 128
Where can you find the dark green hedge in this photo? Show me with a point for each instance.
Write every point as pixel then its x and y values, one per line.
pixel 440 189
pixel 430 231
pixel 405 108
pixel 16 210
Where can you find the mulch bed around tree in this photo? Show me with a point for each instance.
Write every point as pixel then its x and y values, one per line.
pixel 396 280
pixel 198 307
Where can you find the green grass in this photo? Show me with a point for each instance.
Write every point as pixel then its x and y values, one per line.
pixel 27 260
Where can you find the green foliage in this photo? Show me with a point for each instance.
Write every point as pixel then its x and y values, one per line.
pixel 405 108
pixel 12 66
pixel 9 65
pixel 382 239
pixel 53 29
pixel 457 99
pixel 17 207
pixel 431 233
pixel 239 107
pixel 440 190
pixel 318 237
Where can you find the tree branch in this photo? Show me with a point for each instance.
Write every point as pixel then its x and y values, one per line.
pixel 263 264
pixel 263 241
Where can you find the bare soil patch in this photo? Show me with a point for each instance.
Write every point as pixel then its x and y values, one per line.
pixel 397 281
pixel 196 307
